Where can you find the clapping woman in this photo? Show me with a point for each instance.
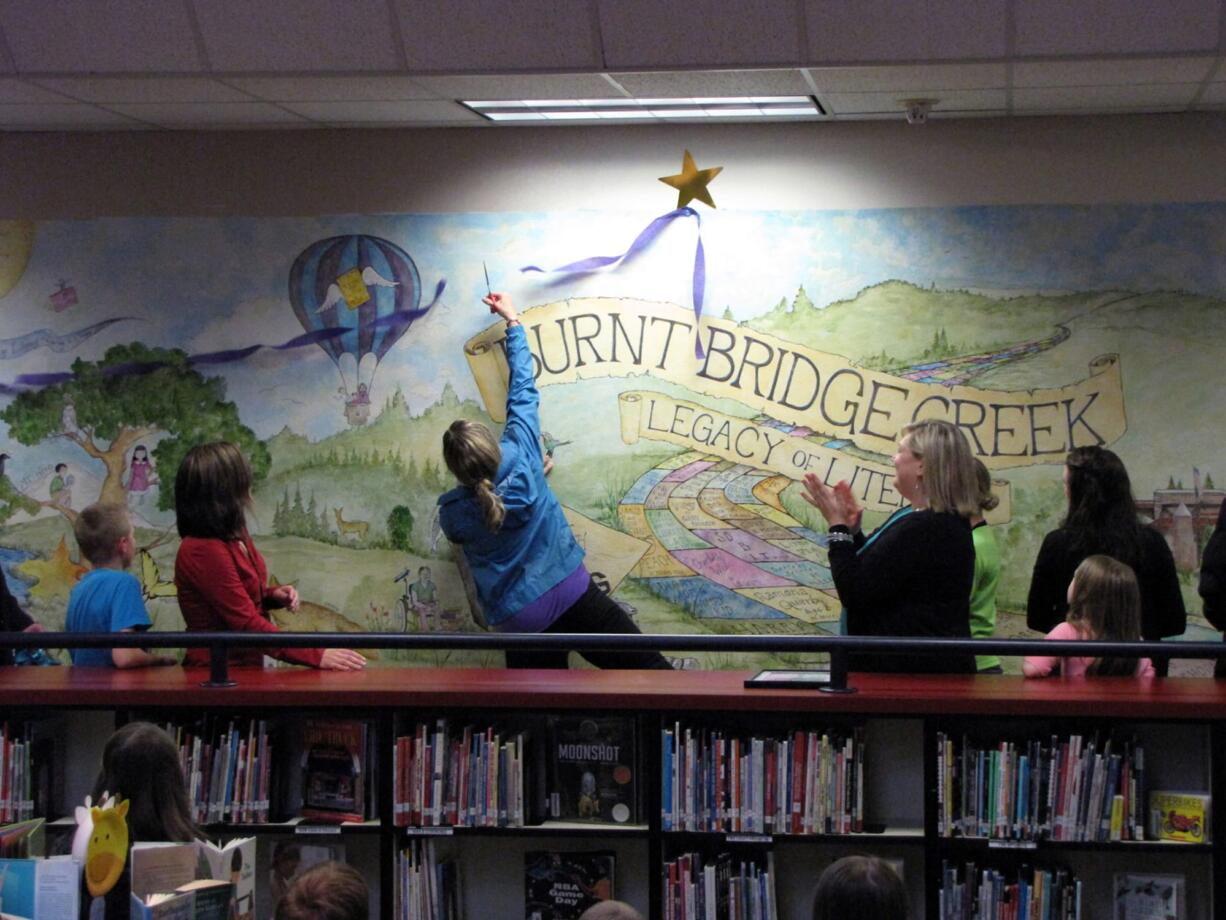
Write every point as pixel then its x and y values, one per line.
pixel 912 576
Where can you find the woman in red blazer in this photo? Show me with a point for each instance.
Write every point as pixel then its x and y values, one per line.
pixel 220 575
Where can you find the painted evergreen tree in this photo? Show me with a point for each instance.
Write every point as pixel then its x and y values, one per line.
pixel 400 528
pixel 802 301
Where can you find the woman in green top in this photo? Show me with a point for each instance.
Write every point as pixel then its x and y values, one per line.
pixel 987 573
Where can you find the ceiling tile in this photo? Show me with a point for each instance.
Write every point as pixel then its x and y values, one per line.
pixel 87 36
pixel 1103 98
pixel 485 36
pixel 386 113
pixel 1121 71
pixel 1115 26
pixel 692 83
pixel 929 77
pixel 885 30
pixel 208 115
pixel 521 86
pixel 299 35
pixel 962 100
pixel 330 89
pixel 13 90
pixel 70 116
pixel 640 34
pixel 142 89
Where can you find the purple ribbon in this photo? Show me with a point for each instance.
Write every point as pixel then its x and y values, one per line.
pixel 644 240
pixel 25 382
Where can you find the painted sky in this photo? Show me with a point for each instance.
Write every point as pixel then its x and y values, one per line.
pixel 208 284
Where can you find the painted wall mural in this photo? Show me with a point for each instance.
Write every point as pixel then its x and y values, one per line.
pixel 330 349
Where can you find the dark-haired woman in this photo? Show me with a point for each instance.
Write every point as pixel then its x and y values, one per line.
pixel 1102 519
pixel 525 563
pixel 1213 582
pixel 140 763
pixel 221 578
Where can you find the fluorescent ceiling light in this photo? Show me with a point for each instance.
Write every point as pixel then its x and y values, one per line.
pixel 678 113
pixel 623 113
pixel 548 110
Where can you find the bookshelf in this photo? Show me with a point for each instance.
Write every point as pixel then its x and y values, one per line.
pixel 1182 724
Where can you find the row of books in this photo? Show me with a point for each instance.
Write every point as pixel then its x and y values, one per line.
pixel 473 777
pixel 807 782
pixel 227 765
pixel 1072 789
pixel 1027 894
pixel 427 888
pixel 695 888
pixel 16 774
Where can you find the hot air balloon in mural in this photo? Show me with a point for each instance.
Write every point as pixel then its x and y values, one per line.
pixel 350 282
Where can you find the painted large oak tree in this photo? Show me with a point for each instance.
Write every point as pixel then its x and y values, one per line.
pixel 135 393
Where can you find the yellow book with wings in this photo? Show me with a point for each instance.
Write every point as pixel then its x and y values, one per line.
pixel 151 579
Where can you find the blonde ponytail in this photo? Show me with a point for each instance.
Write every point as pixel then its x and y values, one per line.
pixel 471 452
pixel 491 505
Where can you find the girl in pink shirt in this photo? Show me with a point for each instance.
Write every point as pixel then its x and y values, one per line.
pixel 1104 603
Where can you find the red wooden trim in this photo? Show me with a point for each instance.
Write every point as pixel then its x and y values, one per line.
pixel 896 694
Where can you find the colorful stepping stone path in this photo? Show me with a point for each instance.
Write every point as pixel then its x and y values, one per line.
pixel 722 545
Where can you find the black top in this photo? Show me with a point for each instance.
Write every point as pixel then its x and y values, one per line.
pixel 12 618
pixel 1162 610
pixel 914 579
pixel 1213 579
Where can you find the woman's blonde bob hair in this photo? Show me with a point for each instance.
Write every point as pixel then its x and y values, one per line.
pixel 471 452
pixel 950 481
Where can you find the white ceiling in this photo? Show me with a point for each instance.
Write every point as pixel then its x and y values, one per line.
pixel 223 64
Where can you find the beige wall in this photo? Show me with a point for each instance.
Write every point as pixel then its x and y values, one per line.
pixel 836 165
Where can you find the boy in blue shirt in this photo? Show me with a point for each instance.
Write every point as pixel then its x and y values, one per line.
pixel 108 598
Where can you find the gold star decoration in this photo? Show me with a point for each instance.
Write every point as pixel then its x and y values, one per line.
pixel 691 182
pixel 56 575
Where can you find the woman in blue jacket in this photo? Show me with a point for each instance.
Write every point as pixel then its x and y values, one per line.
pixel 526 565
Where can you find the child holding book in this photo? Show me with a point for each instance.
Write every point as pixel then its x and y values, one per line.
pixel 140 763
pixel 108 598
pixel 1104 603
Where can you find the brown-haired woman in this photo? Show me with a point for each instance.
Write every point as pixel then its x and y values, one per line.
pixel 221 578
pixel 1102 518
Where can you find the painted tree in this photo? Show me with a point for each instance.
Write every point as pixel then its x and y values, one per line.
pixel 400 528
pixel 135 393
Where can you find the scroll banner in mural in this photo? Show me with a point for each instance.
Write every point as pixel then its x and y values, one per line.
pixel 589 338
pixel 659 417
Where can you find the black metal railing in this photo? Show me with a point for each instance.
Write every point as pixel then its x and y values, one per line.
pixel 839 648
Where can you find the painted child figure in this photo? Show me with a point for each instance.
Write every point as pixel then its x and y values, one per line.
pixel 1104 603
pixel 140 475
pixel 108 598
pixel 61 486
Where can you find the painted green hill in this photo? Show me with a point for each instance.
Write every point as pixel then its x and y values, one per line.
pixel 894 323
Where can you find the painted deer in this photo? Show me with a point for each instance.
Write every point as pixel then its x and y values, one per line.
pixel 357 528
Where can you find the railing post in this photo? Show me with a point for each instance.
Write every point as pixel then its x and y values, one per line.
pixel 838 674
pixel 219 675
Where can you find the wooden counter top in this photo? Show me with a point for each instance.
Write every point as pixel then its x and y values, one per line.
pixel 895 694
